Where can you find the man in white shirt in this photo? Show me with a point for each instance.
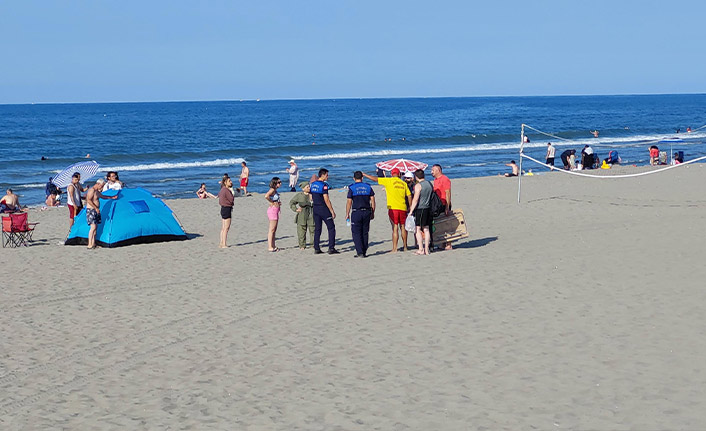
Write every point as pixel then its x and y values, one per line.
pixel 550 154
pixel 112 182
pixel 293 172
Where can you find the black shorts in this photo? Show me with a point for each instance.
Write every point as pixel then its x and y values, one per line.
pixel 550 161
pixel 226 212
pixel 422 217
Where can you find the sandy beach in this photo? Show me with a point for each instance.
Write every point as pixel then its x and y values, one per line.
pixel 581 308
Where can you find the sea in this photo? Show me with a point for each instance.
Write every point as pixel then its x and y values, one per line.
pixel 170 148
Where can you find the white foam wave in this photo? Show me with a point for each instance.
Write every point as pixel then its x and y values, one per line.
pixel 28 186
pixel 392 152
pixel 505 146
pixel 179 165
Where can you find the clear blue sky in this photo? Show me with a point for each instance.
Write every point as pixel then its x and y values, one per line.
pixel 86 51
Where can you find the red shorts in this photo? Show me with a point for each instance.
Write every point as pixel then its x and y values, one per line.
pixel 397 216
pixel 243 182
pixel 71 211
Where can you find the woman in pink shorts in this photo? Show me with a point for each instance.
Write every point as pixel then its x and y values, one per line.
pixel 273 212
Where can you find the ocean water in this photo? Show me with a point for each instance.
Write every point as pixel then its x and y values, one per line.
pixel 170 148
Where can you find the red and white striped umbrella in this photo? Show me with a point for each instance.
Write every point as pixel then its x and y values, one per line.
pixel 403 165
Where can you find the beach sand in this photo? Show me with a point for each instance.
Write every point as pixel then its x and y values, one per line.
pixel 581 308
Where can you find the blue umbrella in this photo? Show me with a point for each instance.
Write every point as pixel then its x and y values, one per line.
pixel 86 169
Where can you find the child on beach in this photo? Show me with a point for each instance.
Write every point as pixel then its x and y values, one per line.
pixel 272 196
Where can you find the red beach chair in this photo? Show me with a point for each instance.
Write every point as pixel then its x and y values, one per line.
pixel 16 231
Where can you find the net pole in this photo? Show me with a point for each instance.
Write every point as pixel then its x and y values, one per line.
pixel 519 176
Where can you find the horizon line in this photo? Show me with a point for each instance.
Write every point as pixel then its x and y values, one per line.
pixel 343 98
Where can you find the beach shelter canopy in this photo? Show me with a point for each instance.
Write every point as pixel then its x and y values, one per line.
pixel 135 217
pixel 402 164
pixel 86 169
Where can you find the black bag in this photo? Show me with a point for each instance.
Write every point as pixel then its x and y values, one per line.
pixel 437 207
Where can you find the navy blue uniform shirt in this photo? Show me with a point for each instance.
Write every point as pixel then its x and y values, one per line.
pixel 318 190
pixel 360 193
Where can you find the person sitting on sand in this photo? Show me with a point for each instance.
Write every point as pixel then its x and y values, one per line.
pixel 515 170
pixel 53 200
pixel 654 155
pixel 566 159
pixel 10 203
pixel 203 194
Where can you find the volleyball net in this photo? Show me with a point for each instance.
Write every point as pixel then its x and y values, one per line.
pixel 612 145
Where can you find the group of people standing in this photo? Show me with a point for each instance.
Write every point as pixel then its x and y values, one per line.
pixel 313 208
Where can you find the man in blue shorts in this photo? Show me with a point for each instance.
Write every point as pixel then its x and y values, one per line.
pixel 323 212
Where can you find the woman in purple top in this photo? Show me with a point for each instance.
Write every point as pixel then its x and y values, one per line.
pixel 225 200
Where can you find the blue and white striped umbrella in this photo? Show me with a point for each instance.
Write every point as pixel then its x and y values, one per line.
pixel 86 169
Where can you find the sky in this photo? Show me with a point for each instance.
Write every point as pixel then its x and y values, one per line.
pixel 105 51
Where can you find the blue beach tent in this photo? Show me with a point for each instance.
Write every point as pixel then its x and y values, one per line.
pixel 135 217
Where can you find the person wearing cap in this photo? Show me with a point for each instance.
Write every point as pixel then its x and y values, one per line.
pixel 360 209
pixel 293 172
pixel 409 179
pixel 304 218
pixel 323 212
pixel 398 199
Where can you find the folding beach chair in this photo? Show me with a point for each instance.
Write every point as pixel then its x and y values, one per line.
pixel 16 231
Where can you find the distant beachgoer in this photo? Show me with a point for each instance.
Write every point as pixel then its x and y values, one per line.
pixel 515 170
pixel 594 133
pixel 272 196
pixel 88 156
pixel 293 172
pixel 587 157
pixel 688 130
pixel 73 197
pixel 612 158
pixel 421 209
pixel 323 212
pixel 566 159
pixel 203 194
pixel 93 210
pixel 304 219
pixel 360 209
pixel 53 200
pixel 654 155
pixel 51 188
pixel 244 178
pixel 44 158
pixel 225 200
pixel 550 154
pixel 398 200
pixel 10 203
pixel 527 139
pixel 113 181
pixel 677 130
